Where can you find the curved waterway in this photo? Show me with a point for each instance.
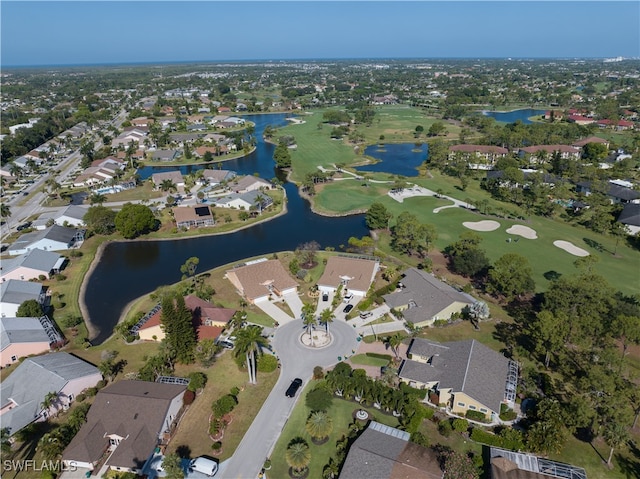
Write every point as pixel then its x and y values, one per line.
pixel 128 270
pixel 515 115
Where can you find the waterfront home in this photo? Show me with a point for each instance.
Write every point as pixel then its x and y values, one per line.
pixel 174 176
pixel 355 275
pixel 208 320
pixel 23 393
pixel 193 217
pixel 31 265
pixel 165 155
pixel 422 299
pixel 244 201
pixel 463 375
pixel 384 452
pixel 215 177
pixel 22 337
pixel 250 183
pixel 261 279
pixel 53 238
pixel 14 292
pixel 127 421
pixel 72 215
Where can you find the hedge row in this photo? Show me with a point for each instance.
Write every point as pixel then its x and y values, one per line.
pixel 379 356
pixel 484 437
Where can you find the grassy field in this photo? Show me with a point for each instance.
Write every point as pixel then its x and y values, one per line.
pixel 365 360
pixel 341 412
pixel 545 258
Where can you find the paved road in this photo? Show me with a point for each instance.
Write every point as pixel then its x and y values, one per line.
pixel 297 361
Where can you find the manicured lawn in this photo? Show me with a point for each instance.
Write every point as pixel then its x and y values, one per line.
pixel 145 191
pixel 223 375
pixel 341 412
pixel 365 360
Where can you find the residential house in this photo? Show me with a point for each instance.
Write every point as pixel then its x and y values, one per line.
pixel 22 337
pixel 258 280
pixel 423 299
pixel 100 172
pixel 183 138
pixel 553 115
pixel 517 465
pixel 630 217
pixel 167 121
pixel 126 422
pixel 620 125
pixel 215 177
pixel 165 155
pixel 14 292
pixel 250 183
pixel 208 320
pixel 218 150
pixel 244 201
pixel 618 191
pixel 31 265
pixel 384 452
pixel 72 215
pixel 134 135
pixel 591 139
pixel 355 275
pixel 53 238
pixel 174 176
pixel 193 217
pixel 479 157
pixel 463 375
pixel 24 391
pixel 565 151
pixel 110 162
pixel 580 119
pixel 142 121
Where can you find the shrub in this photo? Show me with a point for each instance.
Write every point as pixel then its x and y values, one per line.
pixel 485 437
pixel 318 372
pixel 216 426
pixel 42 277
pixel 197 380
pixel 428 413
pixel 224 405
pixel 235 390
pixel 476 416
pixel 319 399
pixel 60 277
pixel 445 428
pixel 102 383
pixel 440 322
pixel 75 253
pixel 379 356
pixel 267 363
pixel 420 439
pixel 188 397
pixel 216 446
pixel 460 425
pixel 90 392
pixel 506 413
pixel 81 397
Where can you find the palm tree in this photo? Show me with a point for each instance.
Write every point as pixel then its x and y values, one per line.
pixel 298 455
pixel 250 341
pixel 168 185
pixel 319 425
pixel 5 211
pixel 331 470
pixel 615 435
pixel 326 317
pixel 259 201
pixel 394 341
pixel 49 400
pixel 97 198
pixel 308 318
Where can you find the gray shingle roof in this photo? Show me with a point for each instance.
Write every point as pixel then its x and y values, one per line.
pixel 53 233
pixel 464 366
pixel 383 452
pixel 32 380
pixel 134 410
pixel 428 295
pixel 75 211
pixel 21 330
pixel 37 259
pixel 630 214
pixel 15 291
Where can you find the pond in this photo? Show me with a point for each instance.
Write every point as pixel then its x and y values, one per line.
pixel 515 115
pixel 396 158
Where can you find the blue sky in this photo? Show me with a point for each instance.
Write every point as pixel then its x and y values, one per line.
pixel 59 33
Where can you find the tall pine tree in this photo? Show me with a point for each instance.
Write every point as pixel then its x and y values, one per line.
pixel 180 336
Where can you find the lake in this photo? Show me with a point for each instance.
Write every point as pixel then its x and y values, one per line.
pixel 515 115
pixel 396 158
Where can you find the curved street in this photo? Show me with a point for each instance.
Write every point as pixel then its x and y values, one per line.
pixel 297 361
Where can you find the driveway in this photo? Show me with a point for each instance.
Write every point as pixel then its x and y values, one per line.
pixel 296 362
pixel 382 328
pixel 294 302
pixel 274 312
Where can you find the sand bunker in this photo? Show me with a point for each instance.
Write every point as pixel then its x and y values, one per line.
pixel 523 231
pixel 484 225
pixel 570 248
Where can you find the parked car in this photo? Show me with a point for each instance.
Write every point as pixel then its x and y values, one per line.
pixel 226 344
pixel 366 314
pixel 204 465
pixel 293 388
pixel 24 226
pixel 325 296
pixel 347 309
pixel 347 297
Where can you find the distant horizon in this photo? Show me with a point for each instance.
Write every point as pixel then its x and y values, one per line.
pixel 319 60
pixel 84 33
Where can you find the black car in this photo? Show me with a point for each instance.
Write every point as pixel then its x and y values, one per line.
pixel 325 296
pixel 347 308
pixel 293 388
pixel 24 226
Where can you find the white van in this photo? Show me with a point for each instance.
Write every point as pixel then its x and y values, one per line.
pixel 204 465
